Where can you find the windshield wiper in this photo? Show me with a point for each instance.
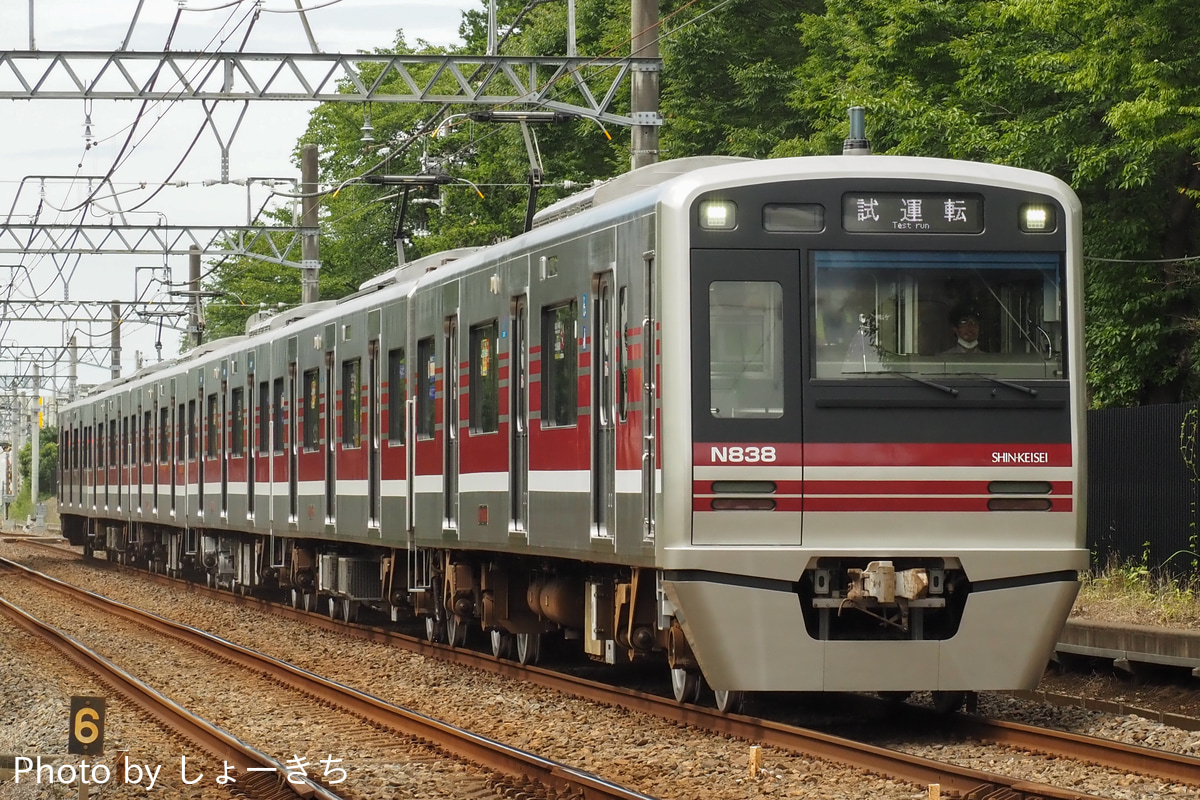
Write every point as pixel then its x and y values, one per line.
pixel 950 390
pixel 1029 390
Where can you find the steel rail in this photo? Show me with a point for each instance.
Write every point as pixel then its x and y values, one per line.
pixel 511 761
pixel 1173 767
pixel 208 737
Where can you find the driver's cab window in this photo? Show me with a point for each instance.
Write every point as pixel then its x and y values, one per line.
pixel 937 314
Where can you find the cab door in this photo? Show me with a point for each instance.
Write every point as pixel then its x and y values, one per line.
pixel 746 397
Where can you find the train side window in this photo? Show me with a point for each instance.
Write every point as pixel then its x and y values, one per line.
pixel 397 389
pixel 560 366
pixel 312 418
pixel 147 437
pixel 746 349
pixel 352 403
pixel 238 431
pixel 180 432
pixel 193 431
pixel 426 388
pixel 164 435
pixel 212 430
pixel 484 391
pixel 277 415
pixel 125 442
pixel 264 429
pixel 112 443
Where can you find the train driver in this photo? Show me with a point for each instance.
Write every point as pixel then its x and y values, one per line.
pixel 964 324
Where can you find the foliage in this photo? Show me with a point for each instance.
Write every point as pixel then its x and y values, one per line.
pixel 47 462
pixel 1100 93
pixel 1097 93
pixel 21 506
pixel 1133 592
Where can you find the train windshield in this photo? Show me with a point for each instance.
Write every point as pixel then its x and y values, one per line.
pixel 938 314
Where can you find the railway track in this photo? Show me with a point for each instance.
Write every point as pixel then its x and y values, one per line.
pixel 962 781
pixel 393 733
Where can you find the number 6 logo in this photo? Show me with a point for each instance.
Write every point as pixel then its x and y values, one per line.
pixel 85 725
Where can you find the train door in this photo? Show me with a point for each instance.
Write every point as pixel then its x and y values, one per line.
pixel 373 416
pixel 124 472
pixel 604 445
pixel 331 441
pixel 450 433
pixel 176 452
pixel 141 435
pixel 251 447
pixel 197 445
pixel 518 444
pixel 223 448
pixel 649 411
pixel 292 444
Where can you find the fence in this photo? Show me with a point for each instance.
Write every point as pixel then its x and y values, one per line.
pixel 1142 498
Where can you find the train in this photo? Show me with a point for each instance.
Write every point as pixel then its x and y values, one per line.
pixel 805 424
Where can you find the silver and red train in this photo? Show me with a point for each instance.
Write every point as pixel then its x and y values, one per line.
pixel 729 413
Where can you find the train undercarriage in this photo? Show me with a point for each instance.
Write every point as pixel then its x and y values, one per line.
pixel 516 601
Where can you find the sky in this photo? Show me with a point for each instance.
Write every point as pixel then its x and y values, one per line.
pixel 46 138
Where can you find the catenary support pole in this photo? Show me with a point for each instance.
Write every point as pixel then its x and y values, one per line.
pixel 309 254
pixel 644 85
pixel 72 369
pixel 194 331
pixel 35 444
pixel 116 340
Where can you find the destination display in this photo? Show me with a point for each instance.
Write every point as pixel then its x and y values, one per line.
pixel 911 212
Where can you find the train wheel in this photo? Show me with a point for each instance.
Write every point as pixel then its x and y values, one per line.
pixel 349 611
pixel 948 702
pixel 503 644
pixel 730 702
pixel 297 599
pixel 434 631
pixel 529 648
pixel 686 685
pixel 334 608
pixel 310 601
pixel 456 631
pixel 208 580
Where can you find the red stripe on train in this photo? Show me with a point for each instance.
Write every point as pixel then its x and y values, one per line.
pixel 870 488
pixel 881 454
pixel 880 504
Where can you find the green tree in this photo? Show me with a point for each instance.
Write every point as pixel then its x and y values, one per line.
pixel 47 462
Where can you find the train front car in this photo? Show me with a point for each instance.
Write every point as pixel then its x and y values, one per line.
pixel 881 484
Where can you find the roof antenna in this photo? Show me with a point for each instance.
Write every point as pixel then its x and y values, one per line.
pixel 857 144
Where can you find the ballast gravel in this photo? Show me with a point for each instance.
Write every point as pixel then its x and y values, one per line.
pixel 652 756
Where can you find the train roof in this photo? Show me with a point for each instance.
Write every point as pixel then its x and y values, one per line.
pixel 628 184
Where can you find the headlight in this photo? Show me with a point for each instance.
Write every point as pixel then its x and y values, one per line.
pixel 718 215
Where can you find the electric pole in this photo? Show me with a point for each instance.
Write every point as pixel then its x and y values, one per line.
pixel 194 295
pixel 309 255
pixel 116 340
pixel 644 83
pixel 35 444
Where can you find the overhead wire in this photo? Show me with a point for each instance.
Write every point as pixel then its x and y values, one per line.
pixel 126 150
